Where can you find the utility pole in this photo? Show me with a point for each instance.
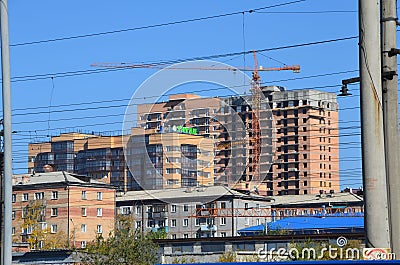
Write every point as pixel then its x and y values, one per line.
pixel 390 117
pixel 373 146
pixel 6 248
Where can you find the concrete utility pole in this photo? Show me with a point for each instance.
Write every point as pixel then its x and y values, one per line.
pixel 373 146
pixel 6 248
pixel 390 117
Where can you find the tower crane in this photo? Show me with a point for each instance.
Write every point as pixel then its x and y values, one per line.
pixel 255 89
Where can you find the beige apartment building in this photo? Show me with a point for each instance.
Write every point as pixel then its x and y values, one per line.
pixel 66 207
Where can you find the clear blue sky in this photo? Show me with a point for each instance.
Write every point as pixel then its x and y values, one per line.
pixel 275 27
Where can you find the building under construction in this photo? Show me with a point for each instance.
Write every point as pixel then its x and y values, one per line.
pixel 292 148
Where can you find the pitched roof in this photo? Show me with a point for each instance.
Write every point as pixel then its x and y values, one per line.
pixel 53 178
pixel 192 194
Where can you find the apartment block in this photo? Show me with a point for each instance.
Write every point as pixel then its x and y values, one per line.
pixel 194 212
pixel 170 159
pixel 96 156
pixel 71 207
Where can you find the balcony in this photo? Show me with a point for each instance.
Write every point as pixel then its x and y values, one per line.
pixel 159 215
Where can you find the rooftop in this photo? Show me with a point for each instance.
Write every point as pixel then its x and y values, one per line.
pixel 51 178
pixel 343 197
pixel 189 194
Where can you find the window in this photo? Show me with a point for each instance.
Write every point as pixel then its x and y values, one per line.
pixel 13 215
pixel 185 235
pixel 53 229
pixel 185 222
pixel 83 228
pixel 13 230
pixel 83 195
pixel 138 224
pixel 185 208
pixel 197 223
pixel 83 244
pixel 99 212
pixel 150 223
pixel 54 211
pixel 223 221
pixel 83 211
pixel 25 197
pixel 173 236
pixel 246 206
pixel 173 208
pixel 14 198
pixel 54 195
pixel 39 195
pixel 305 165
pixel 173 223
pixel 99 229
pixel 138 209
pixel 99 196
pixel 305 183
pixel 223 205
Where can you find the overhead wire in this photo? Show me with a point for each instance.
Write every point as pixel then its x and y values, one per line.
pixel 154 25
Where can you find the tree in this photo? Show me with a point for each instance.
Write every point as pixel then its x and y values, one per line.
pixel 125 246
pixel 322 252
pixel 33 219
pixel 37 234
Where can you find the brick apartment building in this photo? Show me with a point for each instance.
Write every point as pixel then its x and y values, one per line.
pixel 303 151
pixel 75 207
pixel 301 156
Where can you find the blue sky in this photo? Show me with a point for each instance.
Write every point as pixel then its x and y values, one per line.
pixel 291 24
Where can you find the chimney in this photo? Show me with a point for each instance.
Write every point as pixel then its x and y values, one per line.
pixel 48 168
pixel 25 179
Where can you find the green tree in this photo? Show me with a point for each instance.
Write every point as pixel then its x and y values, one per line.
pixel 125 246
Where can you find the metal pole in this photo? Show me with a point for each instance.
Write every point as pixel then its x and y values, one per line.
pixel 390 118
pixel 6 247
pixel 373 152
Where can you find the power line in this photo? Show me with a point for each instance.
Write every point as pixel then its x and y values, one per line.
pixel 307 12
pixel 154 25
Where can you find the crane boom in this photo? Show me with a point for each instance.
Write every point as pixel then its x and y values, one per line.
pixel 294 68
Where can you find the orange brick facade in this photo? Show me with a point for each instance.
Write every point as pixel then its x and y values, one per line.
pixel 77 211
